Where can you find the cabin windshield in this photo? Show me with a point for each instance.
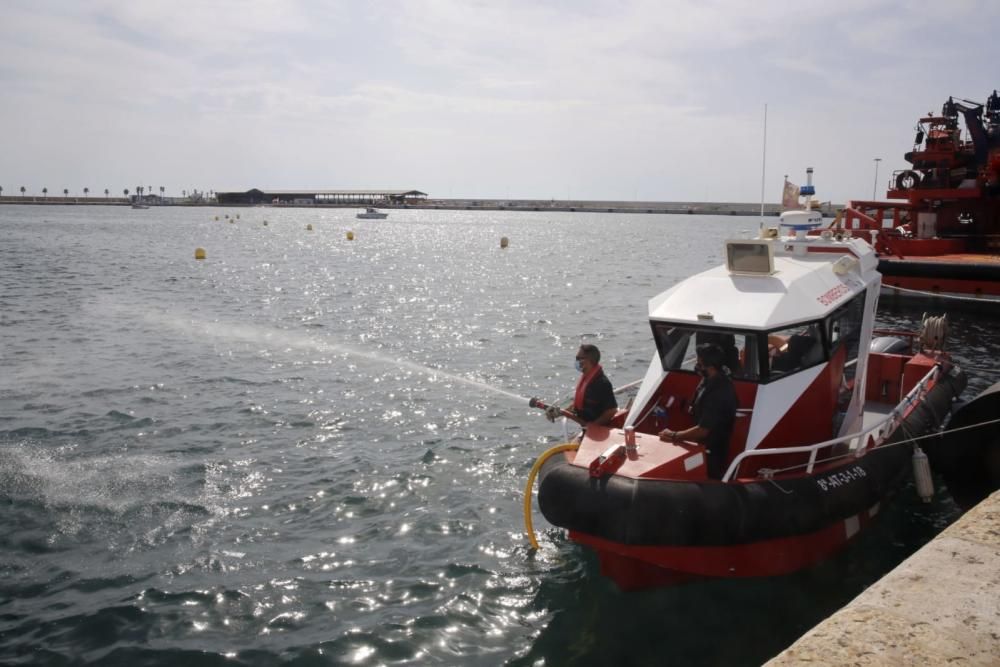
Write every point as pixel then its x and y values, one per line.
pixel 677 345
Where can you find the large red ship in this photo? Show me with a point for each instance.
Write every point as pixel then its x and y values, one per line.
pixel 939 233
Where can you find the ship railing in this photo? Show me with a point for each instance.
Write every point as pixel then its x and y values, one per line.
pixel 857 443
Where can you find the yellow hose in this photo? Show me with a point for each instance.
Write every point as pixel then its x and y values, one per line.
pixel 531 480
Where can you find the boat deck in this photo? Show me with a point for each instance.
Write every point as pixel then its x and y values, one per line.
pixel 874 413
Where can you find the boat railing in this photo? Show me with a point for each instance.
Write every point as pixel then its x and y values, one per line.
pixel 858 443
pixel 617 390
pixel 625 387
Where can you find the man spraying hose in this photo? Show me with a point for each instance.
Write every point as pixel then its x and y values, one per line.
pixel 594 400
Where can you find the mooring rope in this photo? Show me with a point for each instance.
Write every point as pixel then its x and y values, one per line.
pixel 942 296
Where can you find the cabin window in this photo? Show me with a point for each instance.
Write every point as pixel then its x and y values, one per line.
pixel 844 328
pixel 793 349
pixel 678 345
pixel 845 323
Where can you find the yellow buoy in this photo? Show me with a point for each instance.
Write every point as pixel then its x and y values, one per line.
pixel 503 241
pixel 265 223
pixel 199 253
pixel 216 217
pixel 227 216
pixel 350 236
pixel 232 222
pixel 309 227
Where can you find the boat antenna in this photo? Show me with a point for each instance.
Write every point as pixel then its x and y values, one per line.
pixel 763 168
pixel 808 190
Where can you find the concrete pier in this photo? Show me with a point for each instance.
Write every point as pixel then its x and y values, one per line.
pixel 941 606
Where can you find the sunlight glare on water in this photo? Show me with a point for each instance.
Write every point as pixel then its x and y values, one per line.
pixel 304 448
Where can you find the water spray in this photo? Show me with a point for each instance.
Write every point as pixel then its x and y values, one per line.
pixel 277 337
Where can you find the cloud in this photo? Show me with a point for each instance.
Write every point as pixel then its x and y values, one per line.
pixel 537 95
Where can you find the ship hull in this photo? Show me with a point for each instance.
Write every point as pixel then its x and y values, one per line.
pixel 964 275
pixel 652 532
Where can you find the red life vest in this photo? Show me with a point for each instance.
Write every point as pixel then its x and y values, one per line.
pixel 581 386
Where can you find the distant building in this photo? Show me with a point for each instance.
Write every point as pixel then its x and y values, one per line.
pixel 320 197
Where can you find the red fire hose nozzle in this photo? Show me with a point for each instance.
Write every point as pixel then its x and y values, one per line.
pixel 537 403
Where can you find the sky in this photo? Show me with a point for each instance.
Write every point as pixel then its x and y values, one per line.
pixel 650 100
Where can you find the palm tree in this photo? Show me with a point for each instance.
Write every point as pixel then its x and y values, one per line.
pixel 126 193
pixel 106 193
pixel 65 192
pixel 45 192
pixel 1 191
pixel 86 192
pixel 161 191
pixel 22 190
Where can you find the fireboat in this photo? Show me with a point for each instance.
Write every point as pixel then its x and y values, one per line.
pixel 830 413
pixel 939 235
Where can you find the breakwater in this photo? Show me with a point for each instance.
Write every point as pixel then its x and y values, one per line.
pixel 65 201
pixel 552 205
pixel 599 206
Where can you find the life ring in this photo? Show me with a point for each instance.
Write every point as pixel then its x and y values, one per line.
pixel 907 180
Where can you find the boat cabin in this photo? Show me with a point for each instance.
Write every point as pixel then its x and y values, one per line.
pixel 789 313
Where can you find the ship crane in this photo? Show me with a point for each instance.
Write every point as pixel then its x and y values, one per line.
pixel 939 231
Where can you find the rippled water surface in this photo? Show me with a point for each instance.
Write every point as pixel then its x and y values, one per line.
pixel 311 450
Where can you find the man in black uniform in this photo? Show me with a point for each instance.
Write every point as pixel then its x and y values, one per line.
pixel 714 409
pixel 594 401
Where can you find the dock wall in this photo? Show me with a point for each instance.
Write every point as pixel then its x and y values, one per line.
pixel 941 606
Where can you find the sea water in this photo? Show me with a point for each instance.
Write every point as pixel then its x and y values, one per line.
pixel 309 449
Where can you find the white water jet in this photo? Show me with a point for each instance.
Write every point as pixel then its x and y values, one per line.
pixel 286 339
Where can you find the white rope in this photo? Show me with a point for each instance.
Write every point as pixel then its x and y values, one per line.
pixel 981 369
pixel 942 296
pixel 933 331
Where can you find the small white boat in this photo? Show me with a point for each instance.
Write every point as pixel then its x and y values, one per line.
pixel 373 214
pixel 140 206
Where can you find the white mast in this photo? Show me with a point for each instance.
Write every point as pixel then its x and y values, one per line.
pixel 763 167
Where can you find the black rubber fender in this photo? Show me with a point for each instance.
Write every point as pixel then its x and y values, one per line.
pixel 967 455
pixel 656 512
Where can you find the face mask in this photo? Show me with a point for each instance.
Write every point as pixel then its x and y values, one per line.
pixel 578 366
